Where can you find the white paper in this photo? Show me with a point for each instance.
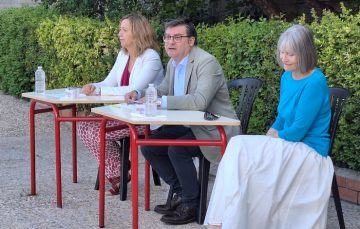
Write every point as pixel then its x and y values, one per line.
pixel 114 90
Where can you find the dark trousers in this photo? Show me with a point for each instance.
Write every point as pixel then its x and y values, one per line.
pixel 174 164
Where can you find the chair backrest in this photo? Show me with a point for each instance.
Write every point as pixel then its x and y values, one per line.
pixel 338 97
pixel 249 89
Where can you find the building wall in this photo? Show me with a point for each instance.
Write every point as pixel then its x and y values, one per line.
pixel 15 3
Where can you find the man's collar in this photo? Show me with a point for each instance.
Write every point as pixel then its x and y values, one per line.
pixel 182 62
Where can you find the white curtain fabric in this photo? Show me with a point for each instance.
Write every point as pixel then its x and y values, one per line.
pixel 264 182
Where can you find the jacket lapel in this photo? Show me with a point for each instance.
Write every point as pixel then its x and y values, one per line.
pixel 189 69
pixel 172 76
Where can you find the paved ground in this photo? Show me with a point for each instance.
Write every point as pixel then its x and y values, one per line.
pixel 80 201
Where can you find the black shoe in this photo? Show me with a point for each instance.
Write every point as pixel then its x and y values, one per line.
pixel 182 215
pixel 166 209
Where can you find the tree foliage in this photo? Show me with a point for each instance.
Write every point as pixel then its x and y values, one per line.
pixel 197 10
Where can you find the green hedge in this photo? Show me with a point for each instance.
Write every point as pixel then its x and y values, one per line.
pixel 75 51
pixel 78 50
pixel 338 42
pixel 19 51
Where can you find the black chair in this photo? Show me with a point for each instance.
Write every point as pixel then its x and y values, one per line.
pixel 249 88
pixel 338 97
pixel 125 148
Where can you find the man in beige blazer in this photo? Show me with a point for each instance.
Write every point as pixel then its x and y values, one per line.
pixel 194 81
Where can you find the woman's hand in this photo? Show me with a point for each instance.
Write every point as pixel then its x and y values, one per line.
pixel 131 97
pixel 88 89
pixel 272 133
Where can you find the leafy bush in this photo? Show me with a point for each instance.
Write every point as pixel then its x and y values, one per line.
pixel 77 50
pixel 19 50
pixel 338 42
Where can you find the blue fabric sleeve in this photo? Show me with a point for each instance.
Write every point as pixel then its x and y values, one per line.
pixel 279 122
pixel 309 106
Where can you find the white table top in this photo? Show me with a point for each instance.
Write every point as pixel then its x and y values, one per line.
pixel 57 96
pixel 128 114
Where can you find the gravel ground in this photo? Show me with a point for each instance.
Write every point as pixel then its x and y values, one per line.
pixel 14 121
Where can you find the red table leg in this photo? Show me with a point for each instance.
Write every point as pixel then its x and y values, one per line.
pixel 57 157
pixel 134 176
pixel 147 185
pixel 223 139
pixel 74 145
pixel 32 147
pixel 102 174
pixel 147 175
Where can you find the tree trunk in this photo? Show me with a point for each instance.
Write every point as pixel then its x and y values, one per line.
pixel 100 9
pixel 268 7
pixel 319 7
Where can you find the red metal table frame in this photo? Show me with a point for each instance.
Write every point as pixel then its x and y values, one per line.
pixel 57 119
pixel 55 105
pixel 135 141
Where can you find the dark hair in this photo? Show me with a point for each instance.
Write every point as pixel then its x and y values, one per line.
pixel 190 28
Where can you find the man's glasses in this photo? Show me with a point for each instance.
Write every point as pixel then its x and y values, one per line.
pixel 210 116
pixel 176 38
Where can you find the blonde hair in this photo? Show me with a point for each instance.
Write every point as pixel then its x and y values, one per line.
pixel 298 39
pixel 143 33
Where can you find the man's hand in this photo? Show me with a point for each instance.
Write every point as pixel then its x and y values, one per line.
pixel 88 89
pixel 131 97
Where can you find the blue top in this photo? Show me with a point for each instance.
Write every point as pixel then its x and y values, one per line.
pixel 304 111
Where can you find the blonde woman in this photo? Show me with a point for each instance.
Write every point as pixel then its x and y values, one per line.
pixel 138 64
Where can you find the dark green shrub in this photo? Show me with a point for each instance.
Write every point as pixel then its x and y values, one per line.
pixel 19 51
pixel 338 42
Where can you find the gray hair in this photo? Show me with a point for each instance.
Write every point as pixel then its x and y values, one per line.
pixel 299 40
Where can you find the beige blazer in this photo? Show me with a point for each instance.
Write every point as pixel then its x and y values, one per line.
pixel 205 90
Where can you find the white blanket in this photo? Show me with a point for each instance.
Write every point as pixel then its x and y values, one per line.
pixel 264 182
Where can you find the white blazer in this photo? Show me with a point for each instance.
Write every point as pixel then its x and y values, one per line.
pixel 147 69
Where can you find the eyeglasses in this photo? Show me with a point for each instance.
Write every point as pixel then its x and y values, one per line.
pixel 210 116
pixel 176 38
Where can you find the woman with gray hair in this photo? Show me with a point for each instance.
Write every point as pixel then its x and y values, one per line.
pixel 283 179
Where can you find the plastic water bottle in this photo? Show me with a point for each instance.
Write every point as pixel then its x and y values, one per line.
pixel 40 80
pixel 150 101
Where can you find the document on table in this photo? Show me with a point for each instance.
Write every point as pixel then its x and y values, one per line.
pixel 138 110
pixel 115 90
pixel 68 93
